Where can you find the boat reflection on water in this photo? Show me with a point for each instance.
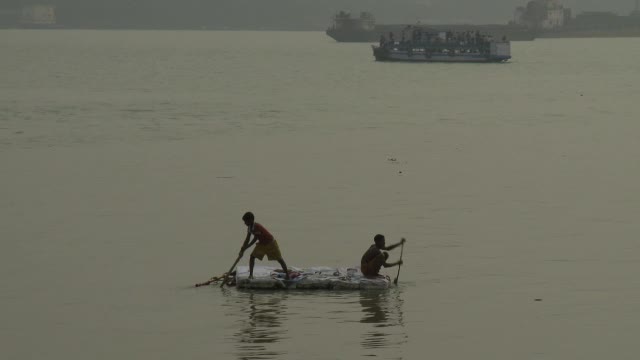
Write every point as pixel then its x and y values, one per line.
pixel 382 310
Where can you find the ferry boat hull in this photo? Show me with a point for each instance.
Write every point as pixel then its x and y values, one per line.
pixel 498 52
pixel 382 54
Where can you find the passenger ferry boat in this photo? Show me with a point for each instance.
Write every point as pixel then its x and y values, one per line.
pixel 418 44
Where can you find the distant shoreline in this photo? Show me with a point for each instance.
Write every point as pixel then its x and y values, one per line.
pixel 62 27
pixel 568 33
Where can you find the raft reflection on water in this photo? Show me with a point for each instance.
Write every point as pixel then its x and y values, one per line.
pixel 261 327
pixel 263 320
pixel 383 310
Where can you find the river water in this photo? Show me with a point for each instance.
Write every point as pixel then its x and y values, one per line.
pixel 129 157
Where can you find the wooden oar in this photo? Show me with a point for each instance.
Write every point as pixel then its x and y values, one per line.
pixel 395 282
pixel 230 270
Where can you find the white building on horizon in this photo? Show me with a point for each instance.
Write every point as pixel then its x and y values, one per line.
pixel 38 15
pixel 554 15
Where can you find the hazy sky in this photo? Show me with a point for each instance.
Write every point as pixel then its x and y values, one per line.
pixel 296 13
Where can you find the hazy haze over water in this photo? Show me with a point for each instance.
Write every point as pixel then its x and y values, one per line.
pixel 288 14
pixel 128 159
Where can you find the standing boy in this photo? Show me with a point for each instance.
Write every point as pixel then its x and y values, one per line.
pixel 266 245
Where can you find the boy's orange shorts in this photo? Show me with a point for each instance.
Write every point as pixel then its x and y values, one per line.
pixel 272 250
